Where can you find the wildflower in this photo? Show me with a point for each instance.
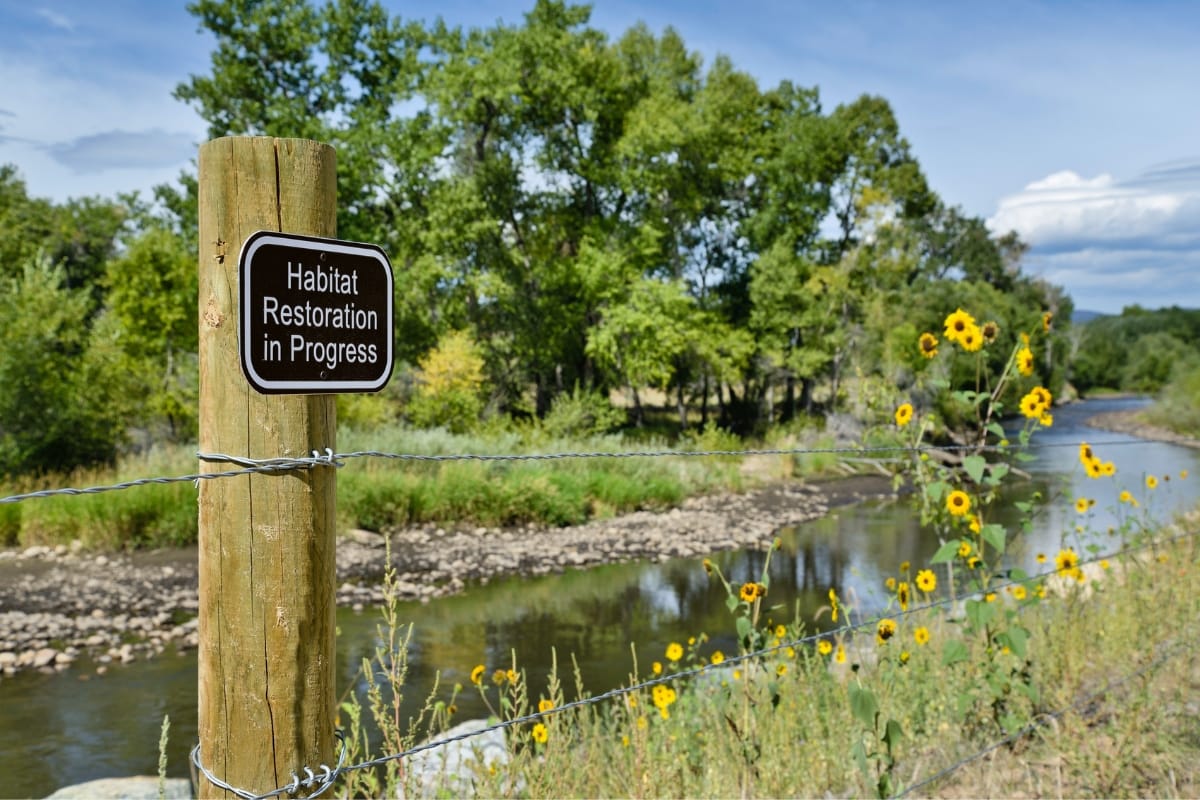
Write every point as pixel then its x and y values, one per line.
pixel 885 630
pixel 904 414
pixel 1046 318
pixel 780 631
pixel 990 331
pixel 1104 563
pixel 1126 497
pixel 656 668
pixel 902 595
pixel 905 566
pixel 511 676
pixel 928 344
pixel 973 562
pixel 833 602
pixel 1094 468
pixel 1018 592
pixel 1183 473
pixel 1067 563
pixel 708 566
pixel 1082 505
pixel 545 705
pixel 751 591
pixel 452 709
pixel 824 647
pixel 890 583
pixel 958 503
pixel 691 641
pixel 1151 482
pixel 663 696
pixel 957 324
pixel 926 581
pixel 1025 339
pixel 971 339
pixel 1035 402
pixel 540 734
pixel 1108 469
pixel 990 597
pixel 1025 361
pixel 625 740
pixel 1041 558
pixel 840 655
pixel 641 723
pixel 717 657
pixel 964 547
pixel 477 674
pixel 498 677
pixel 921 636
pixel 1046 420
pixel 781 670
pixel 975 525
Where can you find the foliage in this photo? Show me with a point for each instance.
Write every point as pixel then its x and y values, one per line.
pixel 61 398
pixel 601 213
pixel 1138 350
pixel 449 389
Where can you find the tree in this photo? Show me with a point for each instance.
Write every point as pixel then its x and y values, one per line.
pixel 62 402
pixel 151 295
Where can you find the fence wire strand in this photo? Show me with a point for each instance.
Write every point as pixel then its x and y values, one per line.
pixel 250 466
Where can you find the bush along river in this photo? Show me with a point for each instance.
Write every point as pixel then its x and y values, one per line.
pixel 99 713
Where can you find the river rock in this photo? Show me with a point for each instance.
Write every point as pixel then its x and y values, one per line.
pixel 447 771
pixel 140 787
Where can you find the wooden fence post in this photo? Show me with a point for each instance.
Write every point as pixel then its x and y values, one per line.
pixel 267 569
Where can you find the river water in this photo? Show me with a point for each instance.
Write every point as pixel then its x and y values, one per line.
pixel 71 727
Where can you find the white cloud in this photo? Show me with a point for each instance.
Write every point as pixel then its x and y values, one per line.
pixel 55 19
pixel 1112 243
pixel 123 150
pixel 1064 211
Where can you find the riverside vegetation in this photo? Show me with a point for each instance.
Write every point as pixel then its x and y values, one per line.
pixel 967 655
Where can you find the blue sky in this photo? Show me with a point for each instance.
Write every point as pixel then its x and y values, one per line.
pixel 1076 124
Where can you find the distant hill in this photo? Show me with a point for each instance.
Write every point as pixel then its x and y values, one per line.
pixel 1086 316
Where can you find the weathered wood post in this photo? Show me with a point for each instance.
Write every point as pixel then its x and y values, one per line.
pixel 267 602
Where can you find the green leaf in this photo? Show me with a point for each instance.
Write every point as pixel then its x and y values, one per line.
pixel 997 429
pixel 731 602
pixel 994 535
pixel 936 491
pixel 892 734
pixel 1023 506
pixel 980 613
pixel 975 465
pixel 1017 639
pixel 744 628
pixel 954 652
pixel 863 705
pixel 859 754
pixel 945 553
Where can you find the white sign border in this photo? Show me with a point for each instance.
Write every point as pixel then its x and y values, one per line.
pixel 315 244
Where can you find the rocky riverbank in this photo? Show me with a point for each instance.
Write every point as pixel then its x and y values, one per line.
pixel 61 604
pixel 1134 423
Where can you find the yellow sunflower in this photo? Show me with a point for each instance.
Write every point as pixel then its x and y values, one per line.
pixel 928 345
pixel 957 323
pixel 904 414
pixel 958 503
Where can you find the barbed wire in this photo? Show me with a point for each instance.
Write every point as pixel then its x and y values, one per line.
pixel 277 465
pixel 331 776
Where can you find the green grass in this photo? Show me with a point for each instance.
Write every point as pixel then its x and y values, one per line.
pixel 377 494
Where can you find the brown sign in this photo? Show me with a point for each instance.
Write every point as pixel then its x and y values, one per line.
pixel 315 316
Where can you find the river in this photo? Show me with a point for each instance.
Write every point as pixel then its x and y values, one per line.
pixel 70 727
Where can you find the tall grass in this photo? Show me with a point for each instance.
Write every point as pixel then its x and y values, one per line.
pixel 378 493
pixel 786 723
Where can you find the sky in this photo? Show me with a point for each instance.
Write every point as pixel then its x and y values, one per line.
pixel 1075 124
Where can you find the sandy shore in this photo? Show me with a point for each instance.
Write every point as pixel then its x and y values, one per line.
pixel 59 604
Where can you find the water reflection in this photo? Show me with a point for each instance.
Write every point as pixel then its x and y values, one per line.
pixel 605 622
